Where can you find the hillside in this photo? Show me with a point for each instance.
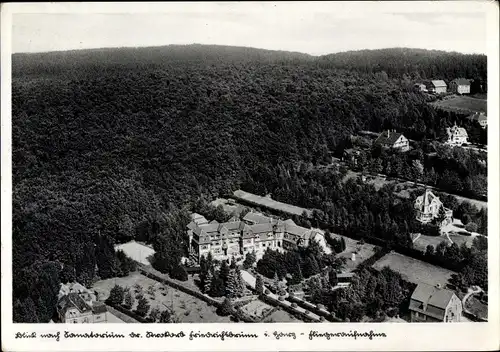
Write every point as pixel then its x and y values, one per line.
pixel 115 144
pixel 414 63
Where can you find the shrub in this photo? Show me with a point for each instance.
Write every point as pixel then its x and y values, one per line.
pixel 267 292
pixel 294 305
pixel 320 306
pixel 116 295
pixel 471 227
pixel 281 298
pixel 307 312
pixel 321 318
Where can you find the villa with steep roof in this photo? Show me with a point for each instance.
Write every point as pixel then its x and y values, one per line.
pixel 256 233
pixel 434 304
pixel 456 135
pixel 77 305
pixel 428 206
pixel 480 117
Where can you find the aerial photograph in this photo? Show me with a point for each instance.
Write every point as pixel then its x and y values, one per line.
pixel 237 166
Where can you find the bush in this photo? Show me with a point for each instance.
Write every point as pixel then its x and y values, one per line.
pixel 281 298
pixel 307 312
pixel 267 292
pixel 321 318
pixel 294 305
pixel 320 306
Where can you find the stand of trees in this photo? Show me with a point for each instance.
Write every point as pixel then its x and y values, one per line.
pixel 118 144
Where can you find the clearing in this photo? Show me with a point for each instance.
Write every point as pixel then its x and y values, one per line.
pixel 363 252
pixel 187 308
pixel 462 104
pixel 137 251
pixel 414 270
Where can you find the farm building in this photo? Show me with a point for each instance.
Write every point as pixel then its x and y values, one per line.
pixel 392 139
pixel 437 86
pixel 434 304
pixel 460 86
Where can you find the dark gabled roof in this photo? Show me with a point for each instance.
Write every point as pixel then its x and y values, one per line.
pixel 461 81
pixel 388 138
pixel 478 116
pixel 99 307
pixel 73 300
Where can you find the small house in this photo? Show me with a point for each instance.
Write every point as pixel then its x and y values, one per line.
pixel 393 139
pixel 480 117
pixel 437 86
pixel 460 86
pixel 434 304
pixel 420 87
pixel 76 305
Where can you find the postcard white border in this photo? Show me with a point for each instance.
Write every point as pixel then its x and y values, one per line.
pixel 462 336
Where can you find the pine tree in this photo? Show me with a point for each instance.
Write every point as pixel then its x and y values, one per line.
pixel 276 282
pixel 154 314
pixel 259 285
pixel 226 307
pixel 165 317
pixel 242 285
pixel 343 244
pixel 233 285
pixel 224 272
pixel 116 295
pixel 208 282
pixel 142 306
pixel 129 300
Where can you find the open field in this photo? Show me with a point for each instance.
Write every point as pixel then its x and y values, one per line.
pixel 269 203
pixel 363 252
pixel 281 316
pixel 462 104
pixel 414 270
pixel 187 308
pixel 137 251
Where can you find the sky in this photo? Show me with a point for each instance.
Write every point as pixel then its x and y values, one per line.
pixel 313 28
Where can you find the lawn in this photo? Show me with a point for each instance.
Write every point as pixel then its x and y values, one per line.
pixel 461 103
pixel 137 251
pixel 187 308
pixel 421 242
pixel 281 316
pixel 414 270
pixel 363 252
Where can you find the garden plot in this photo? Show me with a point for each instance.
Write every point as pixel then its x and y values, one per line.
pixel 187 308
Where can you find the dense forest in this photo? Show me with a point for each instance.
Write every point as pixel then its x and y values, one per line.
pixel 115 144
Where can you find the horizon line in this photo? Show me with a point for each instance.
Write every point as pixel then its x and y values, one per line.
pixel 242 46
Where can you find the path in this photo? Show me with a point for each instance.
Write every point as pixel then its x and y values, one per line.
pixel 470 291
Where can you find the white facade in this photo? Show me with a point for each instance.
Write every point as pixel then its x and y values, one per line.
pixel 457 136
